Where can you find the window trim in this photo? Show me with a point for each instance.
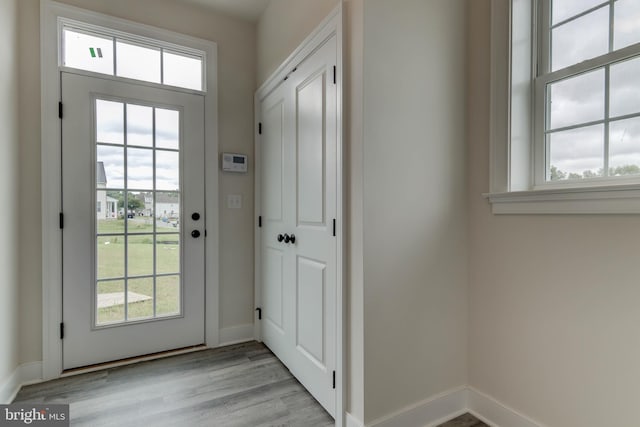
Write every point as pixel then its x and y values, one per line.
pixel 516 163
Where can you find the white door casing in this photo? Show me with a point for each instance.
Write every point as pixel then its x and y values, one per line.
pixel 86 342
pixel 50 58
pixel 299 197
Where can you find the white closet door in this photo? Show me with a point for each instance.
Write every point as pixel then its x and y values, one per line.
pixel 276 188
pixel 299 175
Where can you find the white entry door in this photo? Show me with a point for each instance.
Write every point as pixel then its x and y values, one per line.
pixel 133 232
pixel 299 206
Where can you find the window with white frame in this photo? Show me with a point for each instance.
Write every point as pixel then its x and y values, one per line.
pixel 565 105
pixel 104 51
pixel 587 91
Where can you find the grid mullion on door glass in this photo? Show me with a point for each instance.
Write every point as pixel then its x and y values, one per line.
pixel 155 234
pixel 125 210
pixel 607 79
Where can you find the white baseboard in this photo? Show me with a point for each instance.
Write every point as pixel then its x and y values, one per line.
pixel 236 334
pixel 428 413
pixel 353 421
pixel 27 373
pixel 449 405
pixel 495 413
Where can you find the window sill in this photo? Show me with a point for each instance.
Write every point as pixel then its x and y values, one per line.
pixel 619 199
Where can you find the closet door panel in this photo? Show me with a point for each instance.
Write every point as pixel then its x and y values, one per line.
pixel 273 277
pixel 310 115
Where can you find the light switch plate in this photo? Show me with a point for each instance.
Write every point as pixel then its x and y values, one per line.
pixel 234 201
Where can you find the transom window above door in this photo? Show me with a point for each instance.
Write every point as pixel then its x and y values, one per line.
pixel 100 50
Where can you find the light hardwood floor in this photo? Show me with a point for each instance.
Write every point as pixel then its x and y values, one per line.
pixel 241 385
pixel 466 420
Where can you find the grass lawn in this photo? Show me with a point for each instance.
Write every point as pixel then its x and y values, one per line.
pixel 139 224
pixel 167 302
pixel 111 265
pixel 136 225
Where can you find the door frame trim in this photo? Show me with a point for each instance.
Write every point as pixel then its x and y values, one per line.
pixel 51 140
pixel 331 26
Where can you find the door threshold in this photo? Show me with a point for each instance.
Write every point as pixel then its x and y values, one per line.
pixel 132 360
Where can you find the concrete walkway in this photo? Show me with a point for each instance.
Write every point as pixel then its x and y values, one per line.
pixel 117 298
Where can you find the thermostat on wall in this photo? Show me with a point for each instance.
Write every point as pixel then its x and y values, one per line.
pixel 234 162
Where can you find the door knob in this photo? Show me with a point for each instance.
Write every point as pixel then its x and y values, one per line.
pixel 195 216
pixel 287 238
pixel 280 238
pixel 293 238
pixel 195 234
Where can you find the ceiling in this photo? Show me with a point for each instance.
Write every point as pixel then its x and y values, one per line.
pixel 248 10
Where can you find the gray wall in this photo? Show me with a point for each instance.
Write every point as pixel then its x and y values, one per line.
pixel 10 242
pixel 282 27
pixel 553 298
pixel 415 205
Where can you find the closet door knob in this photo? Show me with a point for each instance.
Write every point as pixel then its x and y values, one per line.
pixel 287 239
pixel 293 238
pixel 280 238
pixel 195 234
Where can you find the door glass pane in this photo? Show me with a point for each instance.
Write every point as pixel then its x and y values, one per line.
pixel 581 39
pixel 88 51
pixel 577 100
pixel 110 217
pixel 182 71
pixel 140 255
pixel 109 122
pixel 137 62
pixel 139 125
pixel 110 166
pixel 138 216
pixel 168 295
pixel 167 128
pixel 110 257
pixel 167 212
pixel 138 227
pixel 106 205
pixel 624 147
pixel 626 30
pixel 577 153
pixel 140 211
pixel 140 298
pixel 140 169
pixel 167 170
pixel 110 302
pixel 624 89
pixel 168 254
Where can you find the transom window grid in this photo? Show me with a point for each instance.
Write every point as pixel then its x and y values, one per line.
pixel 110 52
pixel 127 290
pixel 596 120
